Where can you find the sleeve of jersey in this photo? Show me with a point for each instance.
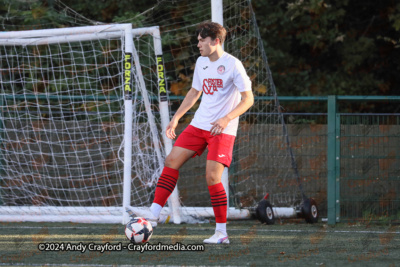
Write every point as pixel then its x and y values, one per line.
pixel 241 80
pixel 196 83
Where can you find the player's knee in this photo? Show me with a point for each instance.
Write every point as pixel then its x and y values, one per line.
pixel 212 179
pixel 172 162
pixel 169 160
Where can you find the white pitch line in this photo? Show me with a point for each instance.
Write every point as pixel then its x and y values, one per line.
pixel 212 228
pixel 336 231
pixel 297 231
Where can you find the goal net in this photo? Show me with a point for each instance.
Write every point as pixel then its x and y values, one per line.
pixel 262 159
pixel 80 123
pixel 263 162
pixel 63 119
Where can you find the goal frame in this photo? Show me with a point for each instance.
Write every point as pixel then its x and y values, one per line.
pixel 87 33
pixel 118 214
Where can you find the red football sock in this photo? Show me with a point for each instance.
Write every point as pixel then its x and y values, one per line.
pixel 166 184
pixel 218 202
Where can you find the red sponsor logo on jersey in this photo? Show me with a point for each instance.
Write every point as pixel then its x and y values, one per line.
pixel 211 85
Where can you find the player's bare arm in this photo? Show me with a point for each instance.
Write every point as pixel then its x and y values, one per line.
pixel 191 98
pixel 246 102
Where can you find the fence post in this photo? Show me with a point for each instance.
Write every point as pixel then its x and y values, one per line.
pixel 331 158
pixel 337 165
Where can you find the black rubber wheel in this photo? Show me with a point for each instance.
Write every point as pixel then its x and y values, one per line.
pixel 310 210
pixel 265 212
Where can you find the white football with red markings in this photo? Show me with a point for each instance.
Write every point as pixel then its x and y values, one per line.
pixel 138 230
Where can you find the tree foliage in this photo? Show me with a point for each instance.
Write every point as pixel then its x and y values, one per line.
pixel 314 47
pixel 342 47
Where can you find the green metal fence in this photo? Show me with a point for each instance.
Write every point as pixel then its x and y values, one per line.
pixel 348 162
pixel 369 166
pixel 362 160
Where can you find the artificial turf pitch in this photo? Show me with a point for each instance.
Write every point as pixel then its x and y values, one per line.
pixel 251 244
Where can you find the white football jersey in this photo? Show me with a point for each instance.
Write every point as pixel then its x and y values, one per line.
pixel 221 82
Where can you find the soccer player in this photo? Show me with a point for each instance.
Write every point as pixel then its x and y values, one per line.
pixel 227 94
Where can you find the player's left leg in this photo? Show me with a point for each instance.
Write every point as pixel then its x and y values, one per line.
pixel 219 156
pixel 218 201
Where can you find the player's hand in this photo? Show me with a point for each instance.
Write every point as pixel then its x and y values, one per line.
pixel 170 131
pixel 219 126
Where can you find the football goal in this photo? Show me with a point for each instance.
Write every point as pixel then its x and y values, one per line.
pixel 81 122
pixel 84 110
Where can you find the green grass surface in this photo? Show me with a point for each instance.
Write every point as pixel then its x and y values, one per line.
pixel 252 244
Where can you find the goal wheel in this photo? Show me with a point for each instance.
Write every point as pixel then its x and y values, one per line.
pixel 310 210
pixel 265 212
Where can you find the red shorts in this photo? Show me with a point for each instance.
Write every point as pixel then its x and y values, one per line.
pixel 220 146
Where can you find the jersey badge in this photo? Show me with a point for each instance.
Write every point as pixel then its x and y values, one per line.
pixel 221 69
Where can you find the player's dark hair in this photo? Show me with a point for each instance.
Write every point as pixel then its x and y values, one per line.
pixel 211 29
